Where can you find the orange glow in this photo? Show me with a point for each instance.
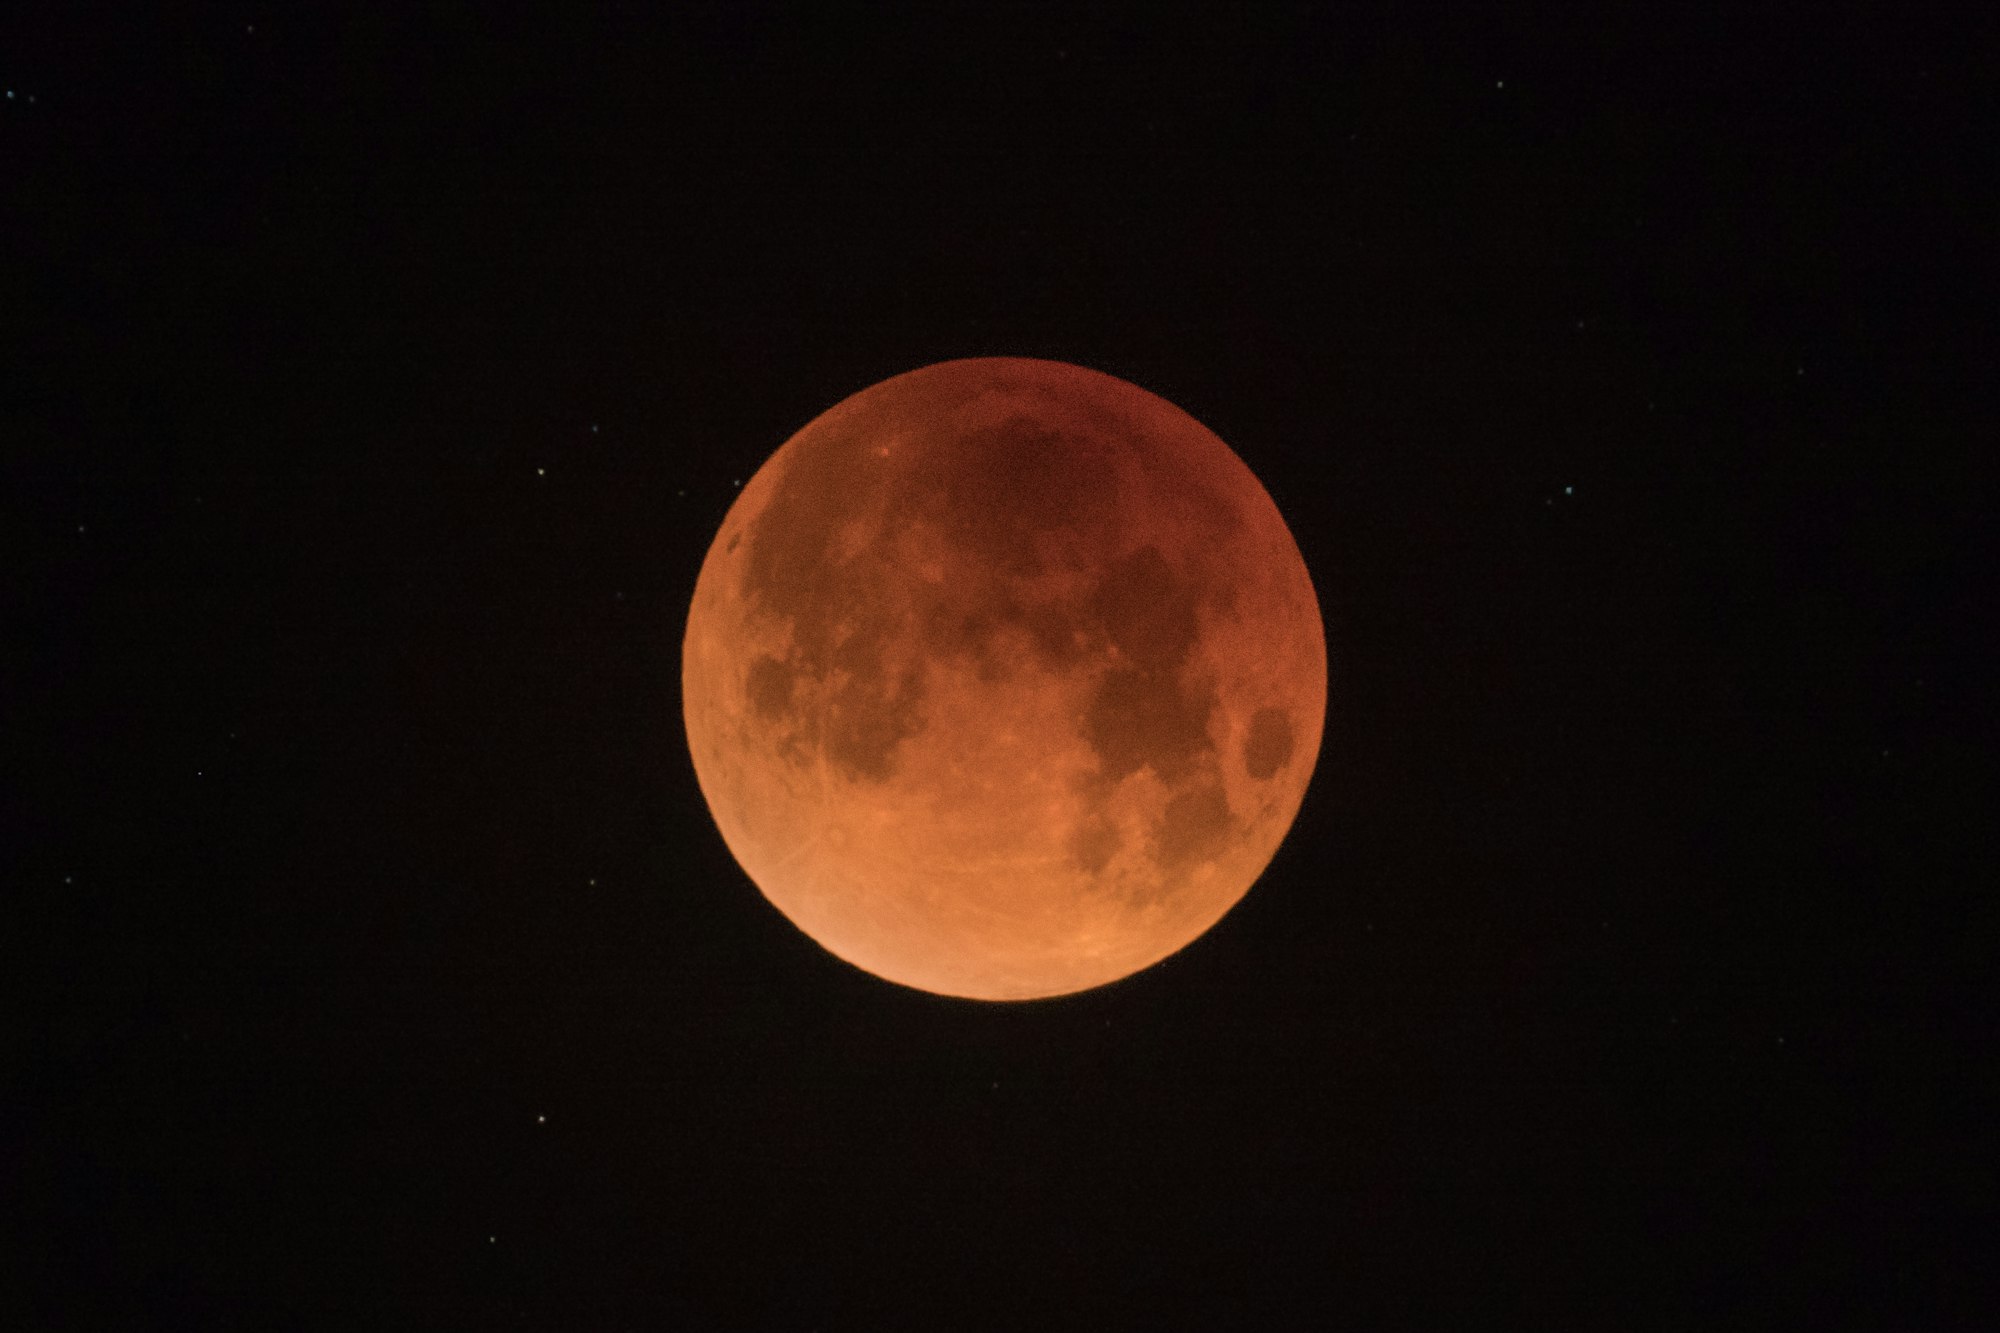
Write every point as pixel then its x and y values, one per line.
pixel 1003 679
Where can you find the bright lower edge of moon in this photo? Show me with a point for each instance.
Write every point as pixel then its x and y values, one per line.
pixel 1003 679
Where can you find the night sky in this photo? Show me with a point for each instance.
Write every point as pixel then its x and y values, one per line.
pixel 372 384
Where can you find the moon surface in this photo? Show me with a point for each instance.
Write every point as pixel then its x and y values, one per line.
pixel 1004 678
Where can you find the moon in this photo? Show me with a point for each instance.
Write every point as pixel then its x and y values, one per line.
pixel 1004 679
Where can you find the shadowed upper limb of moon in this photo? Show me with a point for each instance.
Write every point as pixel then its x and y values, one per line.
pixel 1003 679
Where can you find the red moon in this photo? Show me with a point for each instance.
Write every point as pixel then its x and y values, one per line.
pixel 1003 679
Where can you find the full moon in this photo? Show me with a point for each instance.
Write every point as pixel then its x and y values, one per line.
pixel 1003 679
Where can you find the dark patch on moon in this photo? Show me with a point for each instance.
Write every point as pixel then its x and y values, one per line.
pixel 961 629
pixel 1147 613
pixel 965 623
pixel 1140 714
pixel 871 713
pixel 1194 827
pixel 1093 843
pixel 1140 718
pixel 866 721
pixel 769 688
pixel 1268 745
pixel 996 490
pixel 1060 635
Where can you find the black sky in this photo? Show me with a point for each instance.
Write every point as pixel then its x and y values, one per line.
pixel 370 387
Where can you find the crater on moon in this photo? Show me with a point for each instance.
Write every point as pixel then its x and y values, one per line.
pixel 1003 678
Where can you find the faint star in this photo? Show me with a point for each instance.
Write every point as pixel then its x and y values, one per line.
pixel 1499 83
pixel 541 1120
pixel 1569 490
pixel 541 472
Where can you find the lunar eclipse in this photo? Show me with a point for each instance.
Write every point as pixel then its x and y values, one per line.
pixel 1003 679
